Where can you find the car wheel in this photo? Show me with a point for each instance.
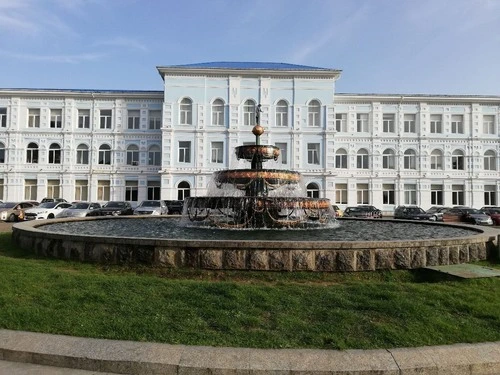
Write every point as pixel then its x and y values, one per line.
pixel 433 218
pixel 51 216
pixel 12 218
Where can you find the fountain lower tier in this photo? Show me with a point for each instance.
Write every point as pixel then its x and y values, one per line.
pixel 259 212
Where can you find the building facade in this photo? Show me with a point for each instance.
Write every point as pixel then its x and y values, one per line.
pixel 384 150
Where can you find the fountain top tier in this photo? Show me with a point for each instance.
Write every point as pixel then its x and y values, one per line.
pixel 252 201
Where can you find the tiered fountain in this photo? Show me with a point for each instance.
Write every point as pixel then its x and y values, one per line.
pixel 258 197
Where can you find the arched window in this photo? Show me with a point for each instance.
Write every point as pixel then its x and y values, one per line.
pixel 154 155
pixel 362 159
pixel 218 112
pixel 436 159
pixel 132 155
pixel 457 160
pixel 186 112
pixel 2 153
pixel 282 113
pixel 54 154
pixel 32 153
pixel 314 110
pixel 341 158
pixel 410 159
pixel 183 190
pixel 249 113
pixel 105 155
pixel 313 190
pixel 388 159
pixel 490 161
pixel 82 154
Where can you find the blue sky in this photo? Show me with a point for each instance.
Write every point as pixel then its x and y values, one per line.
pixel 382 46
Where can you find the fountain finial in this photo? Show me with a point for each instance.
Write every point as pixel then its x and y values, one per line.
pixel 258 130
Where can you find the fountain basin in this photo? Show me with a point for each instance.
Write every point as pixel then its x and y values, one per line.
pixel 260 255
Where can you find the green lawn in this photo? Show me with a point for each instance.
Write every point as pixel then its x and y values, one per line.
pixel 245 309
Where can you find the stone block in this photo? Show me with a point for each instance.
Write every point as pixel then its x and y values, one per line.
pixel 302 260
pixel 346 261
pixel 167 257
pixel 432 256
pixel 402 258
pixel 454 254
pixel 384 259
pixel 211 259
pixel 257 260
pixel 365 260
pixel 463 253
pixel 234 259
pixel 279 260
pixel 418 257
pixel 326 260
pixel 444 256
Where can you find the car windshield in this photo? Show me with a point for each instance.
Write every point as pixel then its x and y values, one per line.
pixel 150 204
pixel 115 204
pixel 48 205
pixel 7 204
pixel 472 211
pixel 415 210
pixel 80 206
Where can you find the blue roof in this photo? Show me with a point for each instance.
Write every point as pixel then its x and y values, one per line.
pixel 248 65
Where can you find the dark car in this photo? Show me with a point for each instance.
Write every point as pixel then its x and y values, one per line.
pixel 358 212
pixel 411 213
pixel 116 208
pixel 467 215
pixel 375 212
pixel 47 200
pixel 175 207
pixel 437 212
pixel 493 212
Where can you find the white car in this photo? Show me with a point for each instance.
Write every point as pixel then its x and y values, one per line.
pixel 153 207
pixel 47 210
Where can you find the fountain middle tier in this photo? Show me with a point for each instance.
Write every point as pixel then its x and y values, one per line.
pixel 273 178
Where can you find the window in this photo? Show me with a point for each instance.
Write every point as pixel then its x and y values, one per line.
pixel 410 159
pixel 362 160
pixel 53 189
pixel 437 195
pixel 388 194
pixel 490 161
pixel 436 159
pixel 388 123
pixel 2 153
pixel 184 152
pixel 312 190
pixel 154 155
pixel 457 125
pixel 249 113
pixel 341 193
pixel 341 159
pixel 104 155
pixel 132 155
pixel 84 119
pixel 362 194
pixel 186 112
pixel 134 119
pixel 54 154
pixel 32 153
pixel 409 123
pixel 2 184
pixel 218 112
pixel 388 159
pixel 488 124
pixel 457 160
pixel 30 188
pixel 82 154
pixel 490 195
pixel 33 118
pixel 341 122
pixel 283 158
pixel 313 111
pixel 154 190
pixel 410 194
pixel 362 122
pixel 313 153
pixel 105 118
pixel 217 152
pixel 183 190
pixel 3 117
pixel 103 189
pixel 436 124
pixel 81 190
pixel 282 113
pixel 154 120
pixel 56 118
pixel 457 195
pixel 131 191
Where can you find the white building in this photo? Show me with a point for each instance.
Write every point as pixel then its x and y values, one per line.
pixel 383 150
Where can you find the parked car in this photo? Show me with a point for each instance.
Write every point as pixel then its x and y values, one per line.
pixel 14 211
pixel 81 209
pixel 493 212
pixel 358 212
pixel 116 208
pixel 45 200
pixel 467 215
pixel 175 207
pixel 151 207
pixel 47 210
pixel 411 213
pixel 376 213
pixel 437 212
pixel 338 211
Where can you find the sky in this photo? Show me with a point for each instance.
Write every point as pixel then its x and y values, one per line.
pixel 448 47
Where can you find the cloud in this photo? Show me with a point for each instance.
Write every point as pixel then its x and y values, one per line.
pixel 63 59
pixel 121 42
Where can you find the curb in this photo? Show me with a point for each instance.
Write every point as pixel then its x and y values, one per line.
pixel 129 357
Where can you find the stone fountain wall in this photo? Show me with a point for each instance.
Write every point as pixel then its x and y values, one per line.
pixel 257 255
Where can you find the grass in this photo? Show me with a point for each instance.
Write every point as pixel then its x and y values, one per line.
pixel 245 309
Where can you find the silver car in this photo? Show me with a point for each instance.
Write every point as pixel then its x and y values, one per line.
pixel 151 207
pixel 81 209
